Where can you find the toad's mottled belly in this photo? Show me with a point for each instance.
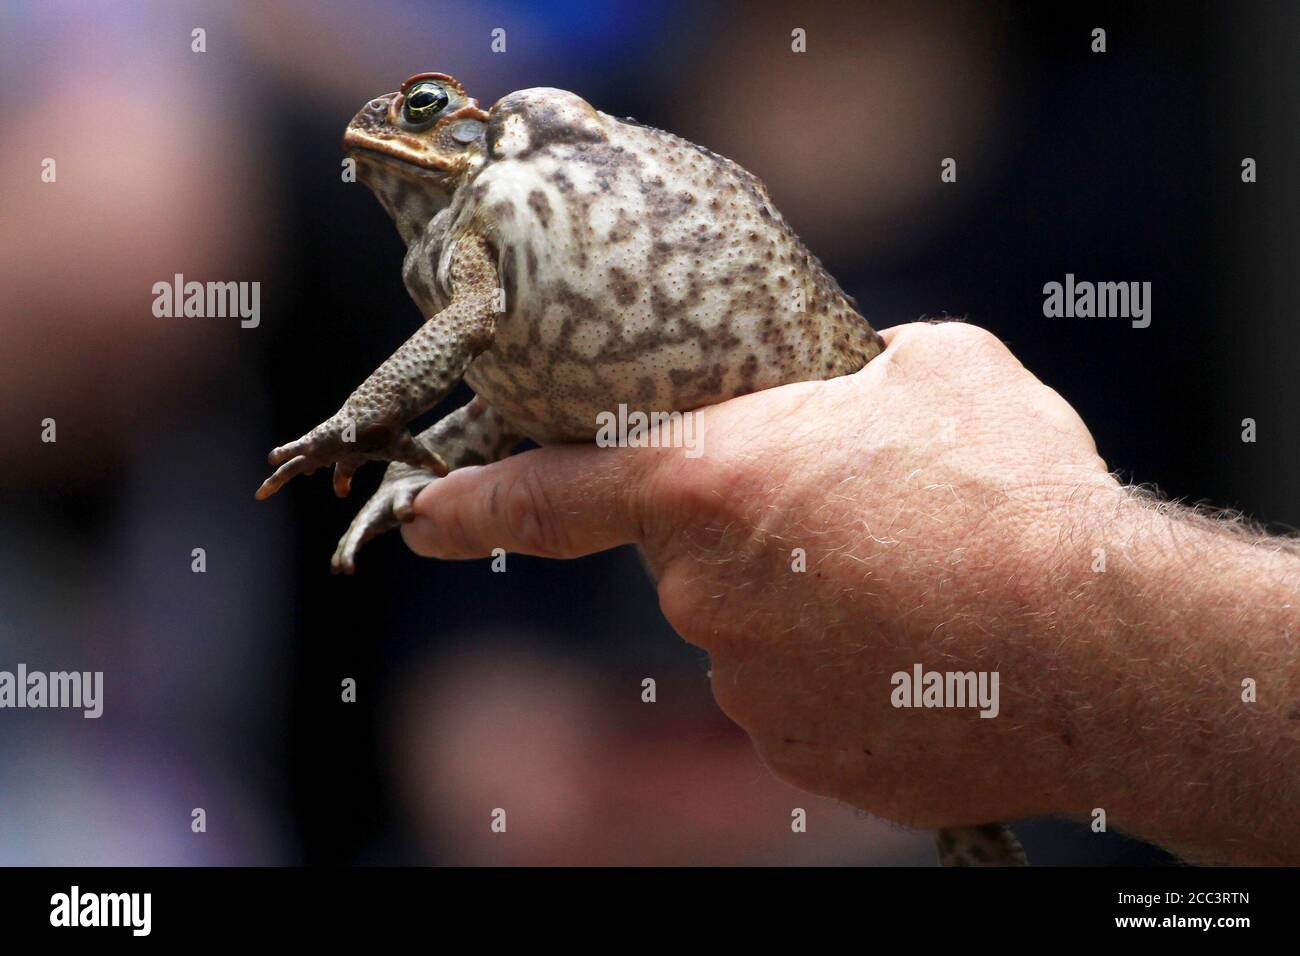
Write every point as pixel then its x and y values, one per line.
pixel 663 279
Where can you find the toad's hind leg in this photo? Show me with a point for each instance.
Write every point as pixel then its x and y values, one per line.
pixel 992 844
pixel 474 434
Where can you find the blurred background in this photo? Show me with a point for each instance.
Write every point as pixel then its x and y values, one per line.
pixel 522 690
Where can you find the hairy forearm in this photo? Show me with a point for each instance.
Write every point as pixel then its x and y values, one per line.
pixel 1188 613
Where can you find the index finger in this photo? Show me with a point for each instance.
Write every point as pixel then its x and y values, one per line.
pixel 562 501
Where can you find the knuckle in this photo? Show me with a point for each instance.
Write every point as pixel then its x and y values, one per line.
pixel 965 337
pixel 939 350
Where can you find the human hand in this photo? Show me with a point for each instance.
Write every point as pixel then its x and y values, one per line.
pixel 928 492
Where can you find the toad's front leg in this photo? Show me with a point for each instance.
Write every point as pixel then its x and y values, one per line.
pixel 372 422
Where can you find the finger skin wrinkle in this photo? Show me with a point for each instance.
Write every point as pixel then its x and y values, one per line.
pixel 530 520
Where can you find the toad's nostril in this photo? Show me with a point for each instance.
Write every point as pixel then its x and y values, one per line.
pixel 377 105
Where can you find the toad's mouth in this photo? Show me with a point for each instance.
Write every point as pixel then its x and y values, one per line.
pixel 410 158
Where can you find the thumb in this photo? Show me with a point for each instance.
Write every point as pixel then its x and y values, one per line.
pixel 562 501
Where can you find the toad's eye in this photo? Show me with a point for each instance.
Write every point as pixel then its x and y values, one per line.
pixel 423 103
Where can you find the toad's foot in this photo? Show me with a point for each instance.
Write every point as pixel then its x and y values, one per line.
pixel 473 434
pixel 387 507
pixel 345 443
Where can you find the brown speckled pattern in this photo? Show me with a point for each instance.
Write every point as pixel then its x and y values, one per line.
pixel 637 269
